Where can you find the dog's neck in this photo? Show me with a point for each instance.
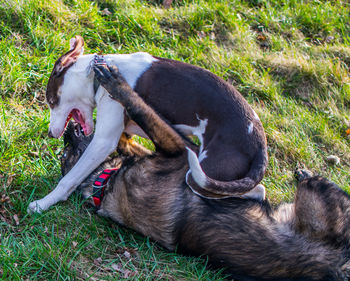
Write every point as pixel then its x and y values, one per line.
pixel 131 66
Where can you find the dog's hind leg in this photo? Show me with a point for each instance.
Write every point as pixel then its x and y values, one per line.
pixel 165 138
pixel 322 211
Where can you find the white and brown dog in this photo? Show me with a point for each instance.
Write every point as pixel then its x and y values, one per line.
pixel 233 154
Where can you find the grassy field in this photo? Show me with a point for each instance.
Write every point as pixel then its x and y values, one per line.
pixel 290 59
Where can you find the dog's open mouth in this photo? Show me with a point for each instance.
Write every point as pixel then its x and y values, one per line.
pixel 79 118
pixel 78 130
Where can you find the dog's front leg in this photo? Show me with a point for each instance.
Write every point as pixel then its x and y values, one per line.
pixel 109 126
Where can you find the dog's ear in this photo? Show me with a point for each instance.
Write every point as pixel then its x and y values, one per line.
pixel 76 49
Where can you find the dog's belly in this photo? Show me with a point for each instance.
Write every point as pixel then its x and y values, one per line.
pixel 193 130
pixel 133 129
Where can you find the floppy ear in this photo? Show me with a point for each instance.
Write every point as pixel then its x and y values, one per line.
pixel 76 49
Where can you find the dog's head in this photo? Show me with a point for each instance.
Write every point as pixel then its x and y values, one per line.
pixel 75 143
pixel 70 90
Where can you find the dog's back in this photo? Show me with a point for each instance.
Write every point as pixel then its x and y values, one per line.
pixel 233 155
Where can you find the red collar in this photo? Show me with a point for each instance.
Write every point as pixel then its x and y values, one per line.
pixel 100 184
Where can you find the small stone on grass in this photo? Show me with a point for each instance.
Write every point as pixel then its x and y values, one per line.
pixel 332 159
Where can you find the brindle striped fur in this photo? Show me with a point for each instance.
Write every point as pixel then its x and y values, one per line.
pixel 305 240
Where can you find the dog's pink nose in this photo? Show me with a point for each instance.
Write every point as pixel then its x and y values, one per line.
pixel 50 134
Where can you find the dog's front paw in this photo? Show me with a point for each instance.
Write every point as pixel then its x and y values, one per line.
pixel 35 207
pixel 302 174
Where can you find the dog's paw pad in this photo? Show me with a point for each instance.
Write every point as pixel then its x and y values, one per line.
pixel 34 207
pixel 302 174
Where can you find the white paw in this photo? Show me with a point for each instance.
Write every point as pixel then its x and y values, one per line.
pixel 35 207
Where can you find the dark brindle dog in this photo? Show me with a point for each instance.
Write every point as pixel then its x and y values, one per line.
pixel 307 240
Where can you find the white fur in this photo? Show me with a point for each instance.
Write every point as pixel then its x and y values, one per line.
pixel 185 129
pixel 77 92
pixel 258 193
pixel 202 156
pixel 194 162
pixel 256 115
pixel 72 43
pixel 197 131
pixel 195 168
pixel 250 128
pixel 131 66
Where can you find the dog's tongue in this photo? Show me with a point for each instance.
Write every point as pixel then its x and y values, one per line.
pixel 78 117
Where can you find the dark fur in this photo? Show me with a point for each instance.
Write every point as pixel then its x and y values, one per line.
pixel 234 150
pixel 236 161
pixel 307 240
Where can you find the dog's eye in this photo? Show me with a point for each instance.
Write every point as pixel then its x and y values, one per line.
pixel 64 155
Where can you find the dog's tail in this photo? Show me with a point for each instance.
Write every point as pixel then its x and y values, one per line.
pixel 207 187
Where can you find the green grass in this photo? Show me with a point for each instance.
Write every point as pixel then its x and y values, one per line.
pixel 290 59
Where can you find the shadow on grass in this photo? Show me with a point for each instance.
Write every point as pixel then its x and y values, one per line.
pixel 196 25
pixel 295 81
